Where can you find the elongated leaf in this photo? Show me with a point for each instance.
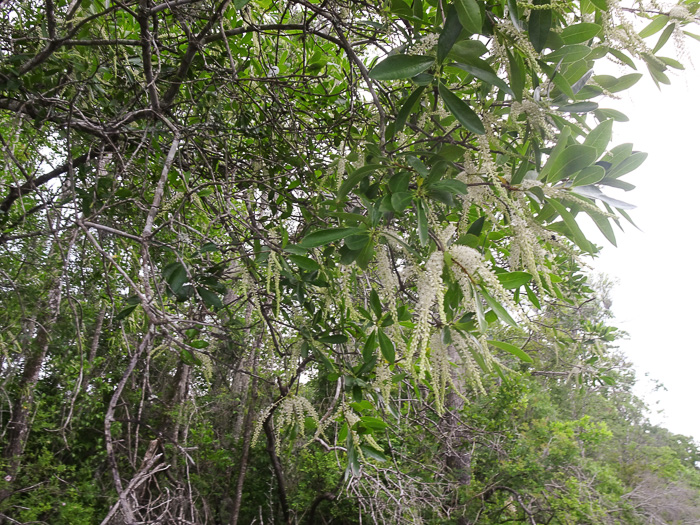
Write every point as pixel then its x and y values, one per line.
pixel 578 107
pixel 556 151
pixel 398 67
pixel 579 33
pixel 600 137
pixel 578 237
pixel 387 347
pixel 125 312
pixel 572 160
pixel 568 54
pixel 487 74
pixel 371 452
pixel 654 26
pixel 498 308
pixel 589 175
pixel 449 34
pixel 469 15
pixel 175 275
pixel 210 298
pixel 321 237
pixel 452 185
pixel 664 38
pixel 356 177
pixel 467 50
pixel 305 263
pixel 631 163
pixel 593 192
pixel 422 223
pixel 407 109
pixel 511 349
pixel 539 25
pixel 462 112
pixel 512 280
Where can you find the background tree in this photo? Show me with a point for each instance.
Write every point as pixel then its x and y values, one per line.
pixel 261 259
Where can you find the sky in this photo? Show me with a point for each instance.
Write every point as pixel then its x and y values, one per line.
pixel 658 268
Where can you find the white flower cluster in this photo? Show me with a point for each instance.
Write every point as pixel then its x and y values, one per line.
pixel 425 44
pixel 474 270
pixel 388 280
pixel 430 286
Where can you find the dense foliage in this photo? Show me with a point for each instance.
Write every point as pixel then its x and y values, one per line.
pixel 320 261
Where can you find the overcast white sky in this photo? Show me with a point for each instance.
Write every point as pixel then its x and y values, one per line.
pixel 658 269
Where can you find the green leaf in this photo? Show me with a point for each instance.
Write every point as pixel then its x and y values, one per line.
pixel 654 26
pixel 516 74
pixel 631 163
pixel 452 185
pixel 305 263
pixel 398 67
pixel 571 160
pixel 498 308
pixel 578 107
pixel 407 109
pixel 199 344
pixel 476 227
pixel 600 4
pixel 449 34
pixel 469 14
pixel 240 4
pixel 578 237
pixel 333 339
pixel 125 312
pixel 467 50
pixel 175 275
pixel 371 452
pixel 484 72
pixel 512 280
pixel 210 298
pixel 188 358
pixel 664 38
pixel 568 54
pixel 579 33
pixel 375 303
pixel 600 137
pixel 401 200
pixel 462 112
pixel 387 347
pixel 511 349
pixel 589 175
pixel 322 237
pixel 422 223
pixel 370 345
pixel 539 25
pixel 356 177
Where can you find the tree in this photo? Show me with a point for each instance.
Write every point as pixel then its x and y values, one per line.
pixel 227 220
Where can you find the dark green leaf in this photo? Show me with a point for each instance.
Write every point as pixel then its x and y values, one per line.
pixel 400 201
pixel 571 160
pixel 539 25
pixel 498 308
pixel 449 34
pixel 487 74
pixel 469 15
pixel 398 67
pixel 462 112
pixel 512 280
pixel 305 263
pixel 511 349
pixel 322 237
pixel 356 177
pixel 210 298
pixel 125 312
pixel 589 175
pixel 371 452
pixel 422 223
pixel 579 33
pixel 387 347
pixel 407 109
pixel 175 275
